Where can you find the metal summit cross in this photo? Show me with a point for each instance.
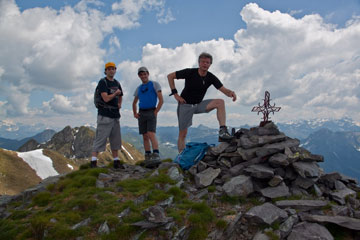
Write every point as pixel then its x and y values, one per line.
pixel 265 109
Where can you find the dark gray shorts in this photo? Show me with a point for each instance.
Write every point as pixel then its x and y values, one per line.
pixel 185 112
pixel 147 121
pixel 107 128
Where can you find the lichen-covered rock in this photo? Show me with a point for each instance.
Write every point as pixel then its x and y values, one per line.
pixel 239 186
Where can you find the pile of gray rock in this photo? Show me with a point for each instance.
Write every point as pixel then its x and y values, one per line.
pixel 265 164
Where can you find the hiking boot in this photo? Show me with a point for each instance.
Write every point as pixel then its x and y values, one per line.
pixel 155 157
pixel 153 162
pixel 224 135
pixel 118 164
pixel 93 164
pixel 147 157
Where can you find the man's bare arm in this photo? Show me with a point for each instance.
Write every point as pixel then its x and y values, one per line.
pixel 228 93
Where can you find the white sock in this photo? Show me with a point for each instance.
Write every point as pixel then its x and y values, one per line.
pixel 93 158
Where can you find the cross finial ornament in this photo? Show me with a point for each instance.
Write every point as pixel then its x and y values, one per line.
pixel 265 109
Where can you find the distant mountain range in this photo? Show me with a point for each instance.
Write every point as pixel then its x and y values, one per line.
pixel 341 150
pixel 18 131
pixel 12 144
pixel 302 129
pixel 337 140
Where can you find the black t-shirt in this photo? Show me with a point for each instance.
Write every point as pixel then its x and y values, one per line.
pixel 195 85
pixel 111 87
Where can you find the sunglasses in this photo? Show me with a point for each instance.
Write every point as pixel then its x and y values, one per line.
pixel 144 89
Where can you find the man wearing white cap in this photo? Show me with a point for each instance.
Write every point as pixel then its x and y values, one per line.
pixel 148 94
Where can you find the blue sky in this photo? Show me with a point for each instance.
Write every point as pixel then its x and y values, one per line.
pixel 304 52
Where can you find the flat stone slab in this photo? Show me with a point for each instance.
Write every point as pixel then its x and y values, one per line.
pixel 303 205
pixel 257 141
pixel 266 213
pixel 304 183
pixel 260 171
pixel 307 169
pixel 282 145
pixel 247 154
pixel 346 222
pixel 206 177
pixel 279 159
pixel 274 192
pixel 311 231
pixel 339 196
pixel 219 148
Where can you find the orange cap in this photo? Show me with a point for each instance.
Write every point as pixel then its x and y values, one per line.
pixel 110 64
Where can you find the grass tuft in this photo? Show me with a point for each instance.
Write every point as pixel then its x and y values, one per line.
pixel 200 220
pixel 42 199
pixel 221 224
pixel 230 200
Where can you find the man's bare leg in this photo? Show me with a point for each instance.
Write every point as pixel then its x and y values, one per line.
pixel 153 140
pixel 219 105
pixel 181 139
pixel 146 140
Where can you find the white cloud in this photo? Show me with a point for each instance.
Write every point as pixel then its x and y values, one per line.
pixel 114 41
pixel 165 16
pixel 311 68
pixel 63 104
pixel 132 9
pixel 308 66
pixel 82 6
pixel 55 50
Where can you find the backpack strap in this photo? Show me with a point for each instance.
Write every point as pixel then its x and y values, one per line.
pixel 105 105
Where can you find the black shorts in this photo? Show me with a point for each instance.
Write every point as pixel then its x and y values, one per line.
pixel 147 121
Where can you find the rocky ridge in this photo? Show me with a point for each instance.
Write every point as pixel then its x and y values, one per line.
pixel 76 143
pixel 279 192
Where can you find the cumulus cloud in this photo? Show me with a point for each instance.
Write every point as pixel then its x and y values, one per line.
pixel 58 50
pixel 62 104
pixel 309 66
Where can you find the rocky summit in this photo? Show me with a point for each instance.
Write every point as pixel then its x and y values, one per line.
pixel 261 185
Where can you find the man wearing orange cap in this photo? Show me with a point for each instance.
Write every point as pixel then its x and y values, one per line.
pixel 108 118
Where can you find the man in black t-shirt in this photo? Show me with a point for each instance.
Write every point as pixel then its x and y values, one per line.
pixel 190 101
pixel 108 119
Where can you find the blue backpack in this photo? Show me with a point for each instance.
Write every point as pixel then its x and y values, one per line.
pixel 191 155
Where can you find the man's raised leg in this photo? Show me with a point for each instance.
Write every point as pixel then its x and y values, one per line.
pixel 181 139
pixel 219 105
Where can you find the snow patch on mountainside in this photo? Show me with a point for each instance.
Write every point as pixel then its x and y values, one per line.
pixel 127 152
pixel 42 164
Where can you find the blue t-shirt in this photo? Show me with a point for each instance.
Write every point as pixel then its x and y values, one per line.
pixel 147 94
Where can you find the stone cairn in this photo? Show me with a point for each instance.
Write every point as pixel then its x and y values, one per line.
pixel 266 164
